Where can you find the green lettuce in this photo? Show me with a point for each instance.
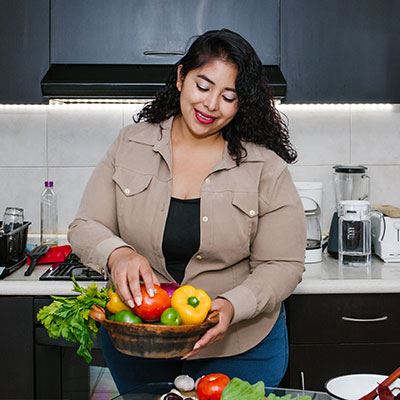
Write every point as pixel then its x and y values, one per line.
pixel 273 396
pixel 238 389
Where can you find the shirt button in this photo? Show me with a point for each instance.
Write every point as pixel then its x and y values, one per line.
pixel 208 180
pixel 205 219
pixel 199 257
pixel 252 213
pixel 127 191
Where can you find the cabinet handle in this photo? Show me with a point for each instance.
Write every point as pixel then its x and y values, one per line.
pixel 379 319
pixel 163 53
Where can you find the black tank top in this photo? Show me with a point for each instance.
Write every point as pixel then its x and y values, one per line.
pixel 181 235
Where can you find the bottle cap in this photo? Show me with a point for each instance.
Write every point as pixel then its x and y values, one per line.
pixel 48 184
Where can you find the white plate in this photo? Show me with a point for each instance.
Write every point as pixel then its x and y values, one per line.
pixel 352 387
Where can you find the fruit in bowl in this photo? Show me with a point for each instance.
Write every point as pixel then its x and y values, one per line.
pixel 167 332
pixel 74 318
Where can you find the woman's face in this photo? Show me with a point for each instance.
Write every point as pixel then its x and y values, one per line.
pixel 208 97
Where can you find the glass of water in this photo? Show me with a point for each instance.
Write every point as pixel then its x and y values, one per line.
pixel 13 218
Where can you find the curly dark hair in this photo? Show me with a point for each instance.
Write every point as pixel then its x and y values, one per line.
pixel 257 120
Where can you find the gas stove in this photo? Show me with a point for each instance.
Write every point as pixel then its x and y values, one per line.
pixel 71 267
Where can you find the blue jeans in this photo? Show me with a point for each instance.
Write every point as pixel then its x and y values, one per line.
pixel 267 362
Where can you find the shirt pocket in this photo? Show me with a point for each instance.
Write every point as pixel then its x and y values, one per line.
pixel 246 203
pixel 132 196
pixel 131 183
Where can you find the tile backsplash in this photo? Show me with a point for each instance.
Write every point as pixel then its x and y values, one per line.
pixel 64 143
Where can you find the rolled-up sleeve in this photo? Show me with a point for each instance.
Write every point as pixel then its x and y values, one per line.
pixel 277 253
pixel 94 232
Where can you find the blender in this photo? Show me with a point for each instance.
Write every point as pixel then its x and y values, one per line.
pixel 351 183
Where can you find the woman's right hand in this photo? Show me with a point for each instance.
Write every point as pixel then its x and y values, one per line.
pixel 127 268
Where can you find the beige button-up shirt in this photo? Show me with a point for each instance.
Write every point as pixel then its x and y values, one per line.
pixel 252 239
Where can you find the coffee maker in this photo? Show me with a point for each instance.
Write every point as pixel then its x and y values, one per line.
pixel 351 182
pixel 311 197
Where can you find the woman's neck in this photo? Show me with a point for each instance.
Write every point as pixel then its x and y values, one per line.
pixel 182 136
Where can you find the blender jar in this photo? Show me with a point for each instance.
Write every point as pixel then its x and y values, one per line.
pixel 354 233
pixel 351 182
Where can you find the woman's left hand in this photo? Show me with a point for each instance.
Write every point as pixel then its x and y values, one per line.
pixel 225 309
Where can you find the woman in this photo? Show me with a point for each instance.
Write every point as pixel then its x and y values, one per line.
pixel 198 191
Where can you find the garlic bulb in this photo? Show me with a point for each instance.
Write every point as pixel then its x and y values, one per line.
pixel 184 383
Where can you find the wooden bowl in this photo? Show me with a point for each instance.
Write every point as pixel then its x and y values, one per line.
pixel 153 340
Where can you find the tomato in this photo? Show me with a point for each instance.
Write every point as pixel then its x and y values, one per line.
pixel 126 316
pixel 211 386
pixel 170 317
pixel 152 307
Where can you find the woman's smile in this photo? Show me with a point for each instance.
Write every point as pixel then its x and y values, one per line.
pixel 204 118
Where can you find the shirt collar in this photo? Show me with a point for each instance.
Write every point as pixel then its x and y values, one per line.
pixel 160 138
pixel 152 135
pixel 253 155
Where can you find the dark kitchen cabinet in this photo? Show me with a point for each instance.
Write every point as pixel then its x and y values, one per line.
pixel 35 366
pixel 342 51
pixel 57 358
pixel 121 31
pixel 24 49
pixel 323 344
pixel 16 350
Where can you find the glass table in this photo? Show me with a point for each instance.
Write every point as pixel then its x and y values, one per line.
pixel 153 391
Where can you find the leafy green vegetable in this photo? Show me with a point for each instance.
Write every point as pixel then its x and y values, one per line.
pixel 68 317
pixel 239 389
pixel 273 396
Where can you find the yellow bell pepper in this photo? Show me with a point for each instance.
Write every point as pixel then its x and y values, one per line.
pixel 192 304
pixel 115 304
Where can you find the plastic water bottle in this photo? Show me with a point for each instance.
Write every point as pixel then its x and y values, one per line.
pixel 48 215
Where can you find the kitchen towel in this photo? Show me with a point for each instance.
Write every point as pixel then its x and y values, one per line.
pixel 388 210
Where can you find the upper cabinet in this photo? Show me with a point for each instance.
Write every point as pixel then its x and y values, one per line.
pixel 24 49
pixel 157 31
pixel 342 51
pixel 329 51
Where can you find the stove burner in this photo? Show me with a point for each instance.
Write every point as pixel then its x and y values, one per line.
pixel 72 266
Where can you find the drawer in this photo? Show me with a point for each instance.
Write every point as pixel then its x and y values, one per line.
pixel 344 318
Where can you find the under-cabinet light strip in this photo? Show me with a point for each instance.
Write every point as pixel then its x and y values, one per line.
pixel 98 101
pixel 338 107
pixel 84 103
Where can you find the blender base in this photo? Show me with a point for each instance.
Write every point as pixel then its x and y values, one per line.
pixel 333 239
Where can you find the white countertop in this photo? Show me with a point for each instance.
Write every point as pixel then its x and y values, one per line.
pixel 320 278
pixel 328 278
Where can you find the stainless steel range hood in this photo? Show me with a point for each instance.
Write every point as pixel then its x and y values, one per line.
pixel 124 81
